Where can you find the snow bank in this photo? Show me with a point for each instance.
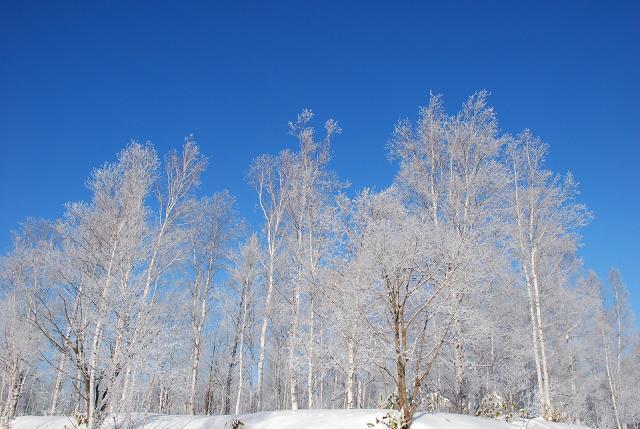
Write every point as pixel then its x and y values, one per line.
pixel 302 419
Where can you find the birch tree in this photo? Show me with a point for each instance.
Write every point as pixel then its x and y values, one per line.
pixel 25 274
pixel 101 241
pixel 309 183
pixel 408 290
pixel 546 218
pixel 268 181
pixel 114 256
pixel 458 288
pixel 244 276
pixel 215 225
pixel 450 169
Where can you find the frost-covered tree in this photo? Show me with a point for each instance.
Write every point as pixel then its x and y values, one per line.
pixel 213 226
pixel 309 184
pixel 24 275
pixel 244 276
pixel 408 289
pixel 457 288
pixel 544 238
pixel 450 171
pixel 268 180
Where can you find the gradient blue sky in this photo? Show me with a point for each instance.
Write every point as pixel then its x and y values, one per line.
pixel 79 80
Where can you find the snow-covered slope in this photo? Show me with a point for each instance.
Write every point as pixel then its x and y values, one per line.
pixel 302 419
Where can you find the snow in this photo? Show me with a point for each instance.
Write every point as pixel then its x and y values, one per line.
pixel 307 419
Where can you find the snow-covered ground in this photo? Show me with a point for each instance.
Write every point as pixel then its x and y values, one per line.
pixel 303 419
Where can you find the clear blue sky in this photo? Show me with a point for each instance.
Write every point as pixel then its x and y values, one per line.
pixel 78 80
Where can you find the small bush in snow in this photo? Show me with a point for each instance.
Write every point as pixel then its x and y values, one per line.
pixel 525 413
pixel 392 420
pixel 237 424
pixel 554 415
pixel 496 407
pixel 80 418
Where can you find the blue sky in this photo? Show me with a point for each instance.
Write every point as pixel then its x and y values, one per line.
pixel 79 80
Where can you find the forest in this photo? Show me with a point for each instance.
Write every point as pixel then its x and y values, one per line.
pixel 458 288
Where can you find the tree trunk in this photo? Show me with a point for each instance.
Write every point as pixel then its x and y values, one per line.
pixel 92 386
pixel 240 375
pixel 147 400
pixel 79 386
pixel 293 333
pixel 350 372
pixel 57 385
pixel 128 386
pixel 543 352
pixel 310 363
pixel 460 405
pixel 125 388
pixel 208 397
pixel 245 303
pixel 263 333
pixel 618 305
pixel 226 409
pixel 195 363
pixel 612 387
pixel 197 335
pixel 92 397
pixel 2 387
pixel 13 396
pixel 536 352
pixel 404 402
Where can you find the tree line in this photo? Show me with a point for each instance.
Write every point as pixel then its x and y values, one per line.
pixel 458 288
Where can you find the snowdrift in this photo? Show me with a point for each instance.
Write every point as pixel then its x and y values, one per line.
pixel 302 419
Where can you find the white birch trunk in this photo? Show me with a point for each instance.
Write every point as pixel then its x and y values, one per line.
pixel 13 396
pixel 536 352
pixel 612 387
pixel 195 363
pixel 293 333
pixel 241 348
pixel 543 353
pixel 57 385
pixel 351 371
pixel 240 373
pixel 311 353
pixel 263 333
